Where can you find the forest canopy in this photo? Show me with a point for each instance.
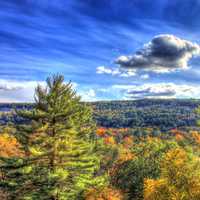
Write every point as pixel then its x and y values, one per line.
pixel 56 150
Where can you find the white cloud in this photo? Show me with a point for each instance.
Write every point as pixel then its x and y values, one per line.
pixel 13 91
pixel 159 90
pixel 106 70
pixel 115 72
pixel 88 95
pixel 144 76
pixel 17 91
pixel 165 53
pixel 128 73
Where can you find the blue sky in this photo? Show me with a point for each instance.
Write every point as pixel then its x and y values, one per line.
pixel 113 49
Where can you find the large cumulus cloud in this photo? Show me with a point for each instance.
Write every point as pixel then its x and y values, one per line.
pixel 164 53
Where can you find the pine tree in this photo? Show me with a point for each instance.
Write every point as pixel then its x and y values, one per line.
pixel 58 144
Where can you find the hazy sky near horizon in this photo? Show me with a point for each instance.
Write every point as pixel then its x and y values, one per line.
pixel 112 49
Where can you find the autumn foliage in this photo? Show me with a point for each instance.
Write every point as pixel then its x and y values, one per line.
pixel 9 147
pixel 179 180
pixel 162 167
pixel 104 194
pixel 101 131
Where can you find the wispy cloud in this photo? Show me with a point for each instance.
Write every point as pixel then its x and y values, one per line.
pixel 144 76
pixel 115 71
pixel 88 95
pixel 159 90
pixel 107 70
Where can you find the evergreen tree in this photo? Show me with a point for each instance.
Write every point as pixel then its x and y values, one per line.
pixel 58 144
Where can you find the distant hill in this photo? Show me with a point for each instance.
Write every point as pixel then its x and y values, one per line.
pixel 164 114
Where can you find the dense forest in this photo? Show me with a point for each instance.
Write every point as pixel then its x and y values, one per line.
pixel 161 113
pixel 60 148
pixel 164 114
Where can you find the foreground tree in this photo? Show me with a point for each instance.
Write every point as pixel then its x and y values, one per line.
pixel 179 180
pixel 129 176
pixel 58 145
